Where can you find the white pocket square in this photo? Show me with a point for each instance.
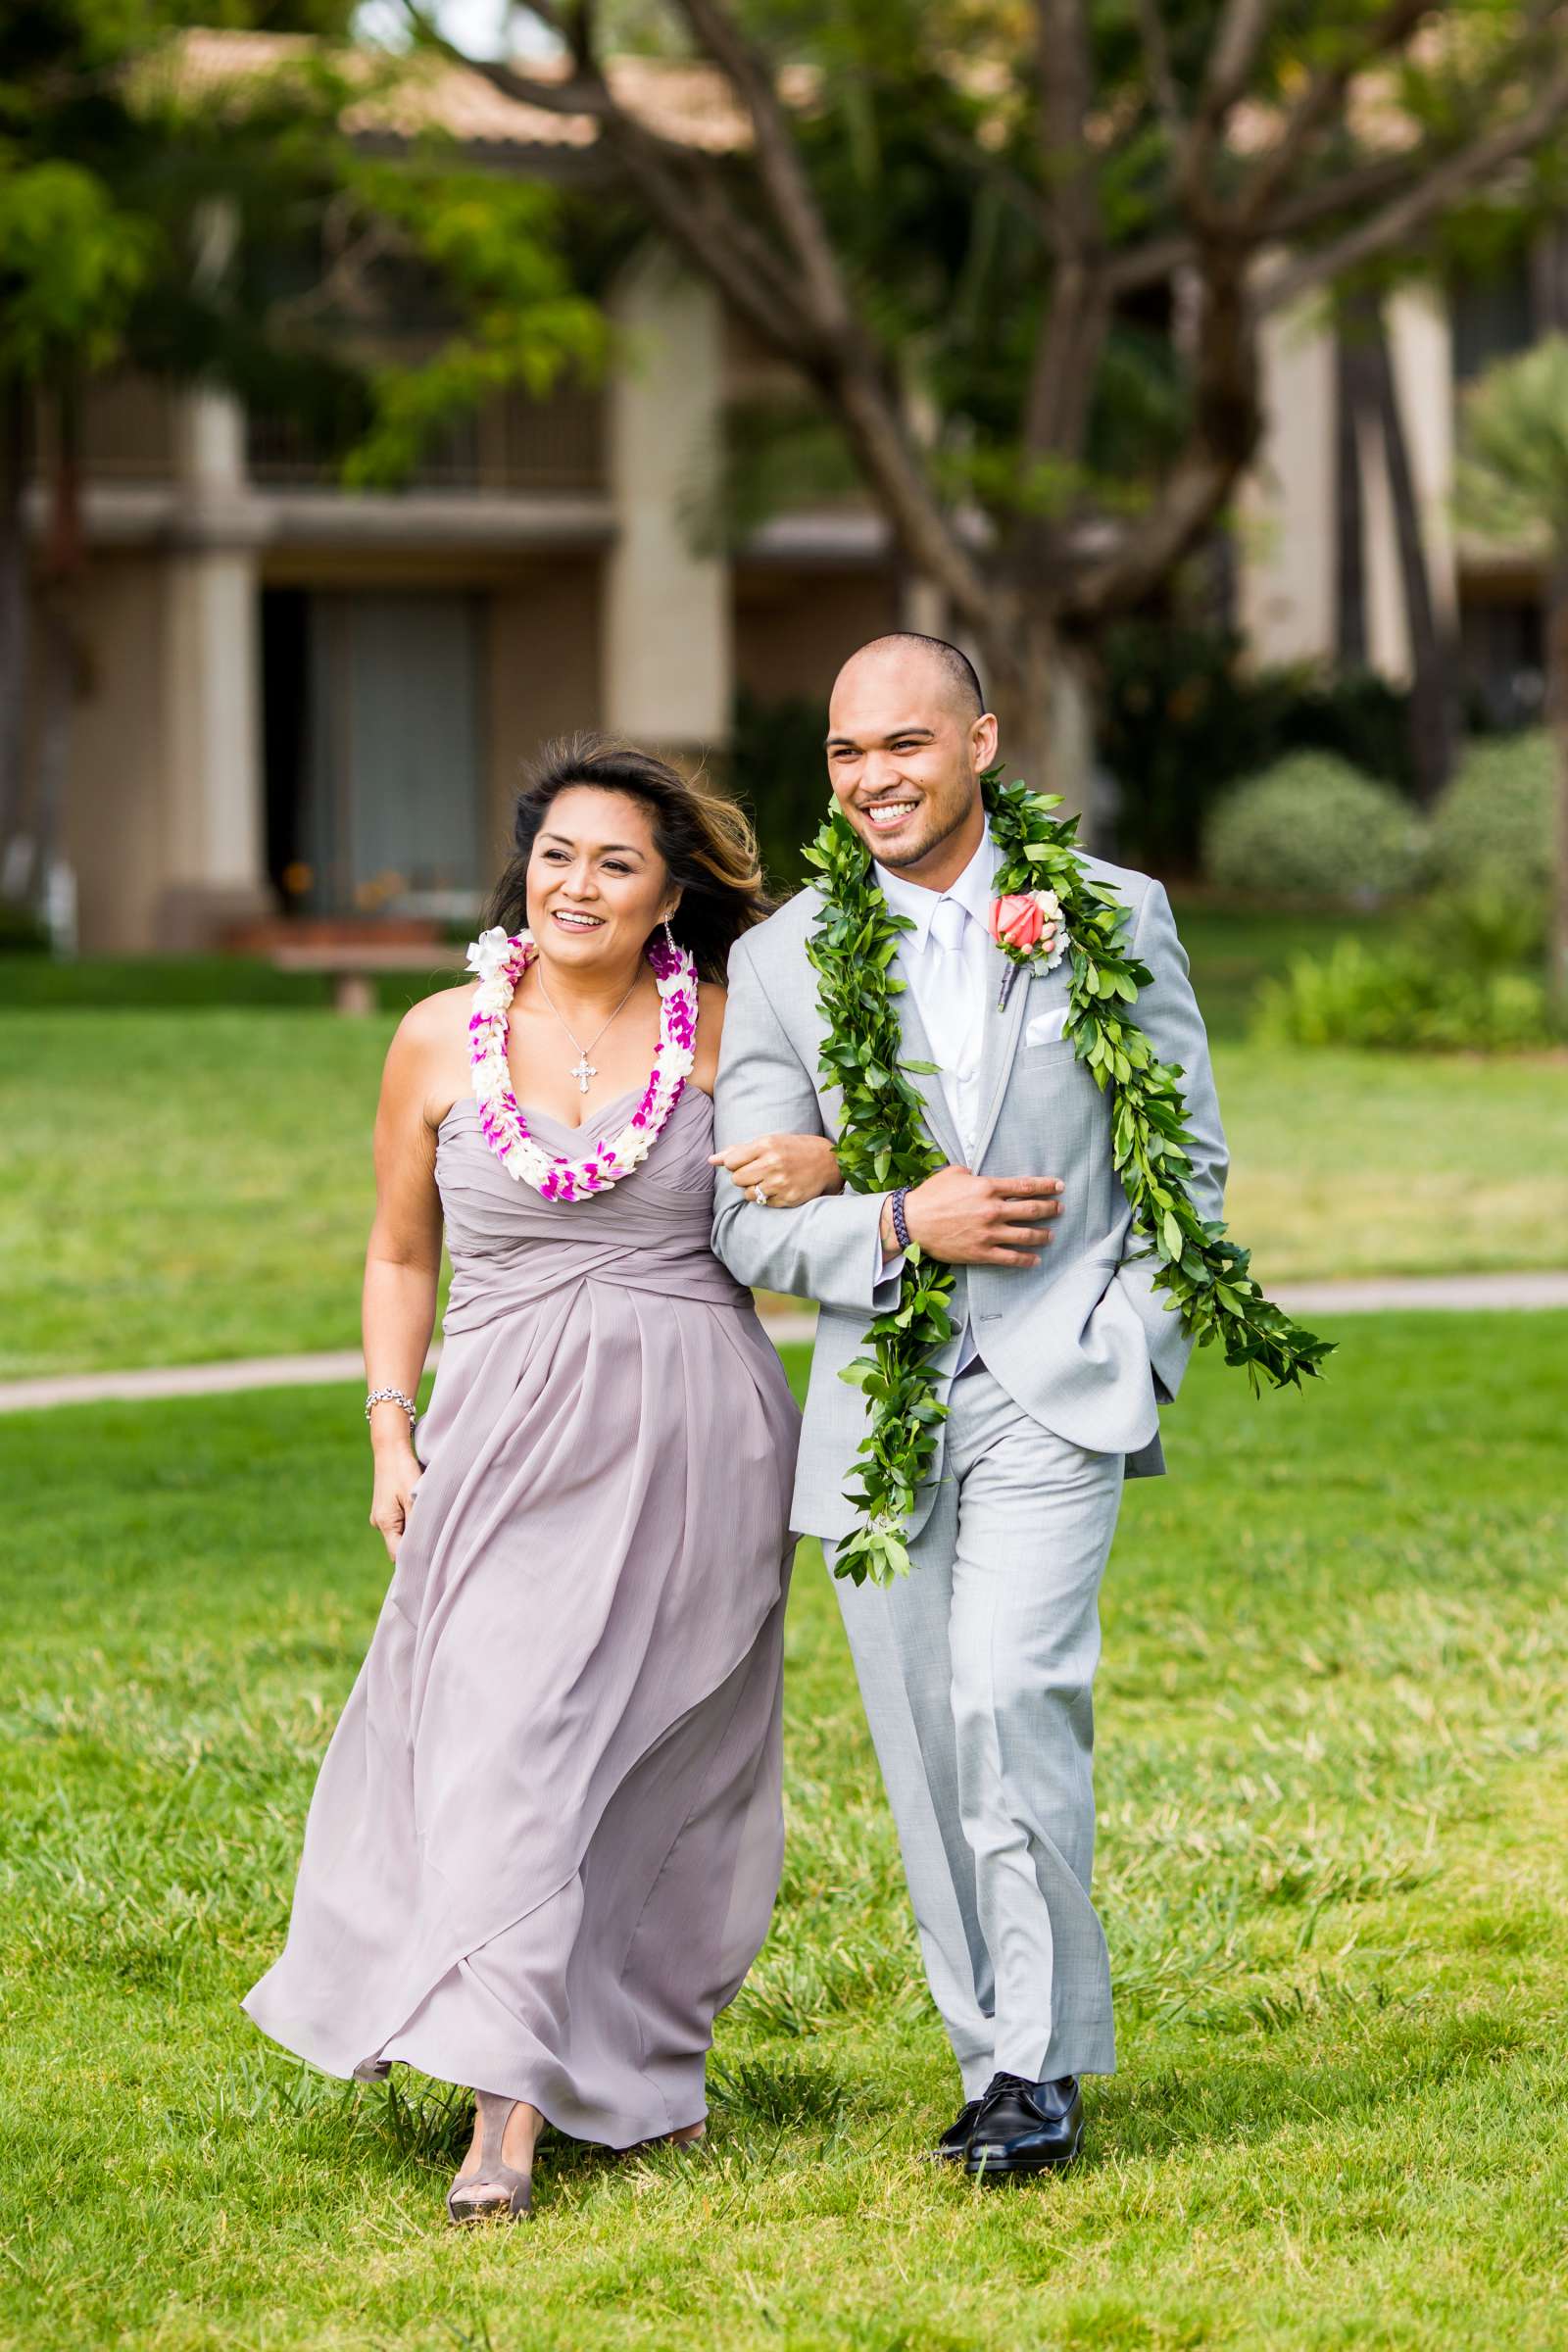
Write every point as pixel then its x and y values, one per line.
pixel 1045 1027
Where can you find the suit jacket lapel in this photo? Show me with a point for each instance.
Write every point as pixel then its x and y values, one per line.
pixel 917 1048
pixel 1003 1031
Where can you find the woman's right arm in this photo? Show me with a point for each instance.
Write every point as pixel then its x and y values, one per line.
pixel 826 1248
pixel 402 1265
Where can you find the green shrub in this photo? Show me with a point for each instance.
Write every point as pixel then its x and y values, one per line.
pixel 21 931
pixel 1183 714
pixel 1404 999
pixel 1179 719
pixel 1491 924
pixel 1313 827
pixel 1496 821
pixel 780 778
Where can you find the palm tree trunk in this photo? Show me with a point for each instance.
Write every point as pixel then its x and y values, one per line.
pixel 1432 669
pixel 1370 400
pixel 1558 693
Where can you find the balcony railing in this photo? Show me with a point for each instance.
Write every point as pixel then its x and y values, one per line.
pixel 129 425
pixel 510 444
pixel 130 434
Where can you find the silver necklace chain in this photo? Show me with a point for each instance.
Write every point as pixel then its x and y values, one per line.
pixel 583 1069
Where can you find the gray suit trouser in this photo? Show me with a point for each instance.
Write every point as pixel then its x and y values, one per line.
pixel 977 1674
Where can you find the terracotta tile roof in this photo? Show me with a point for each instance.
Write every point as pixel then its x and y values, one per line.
pixel 689 103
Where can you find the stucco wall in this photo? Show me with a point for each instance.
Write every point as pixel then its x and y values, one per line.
pixel 793 631
pixel 1287 509
pixel 544 676
pixel 1285 512
pixel 1421 354
pixel 666 662
pixel 114 818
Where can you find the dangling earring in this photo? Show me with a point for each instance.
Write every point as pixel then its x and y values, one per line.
pixel 670 937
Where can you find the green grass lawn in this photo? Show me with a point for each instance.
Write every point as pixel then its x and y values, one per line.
pixel 188 1186
pixel 1333 1867
pixel 186 983
pixel 1233 949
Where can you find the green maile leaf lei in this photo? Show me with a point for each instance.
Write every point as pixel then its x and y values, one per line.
pixel 884 1143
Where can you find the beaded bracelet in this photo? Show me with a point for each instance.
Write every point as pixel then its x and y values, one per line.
pixel 901 1230
pixel 392 1396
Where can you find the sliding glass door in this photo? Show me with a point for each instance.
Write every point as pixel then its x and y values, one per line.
pixel 391 753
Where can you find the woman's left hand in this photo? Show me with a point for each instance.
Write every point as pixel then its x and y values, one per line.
pixel 789 1168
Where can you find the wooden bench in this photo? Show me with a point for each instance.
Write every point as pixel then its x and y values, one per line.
pixel 355 969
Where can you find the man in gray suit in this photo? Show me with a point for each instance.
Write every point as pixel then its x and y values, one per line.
pixel 976 1669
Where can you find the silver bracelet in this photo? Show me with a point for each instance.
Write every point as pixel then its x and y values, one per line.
pixel 392 1396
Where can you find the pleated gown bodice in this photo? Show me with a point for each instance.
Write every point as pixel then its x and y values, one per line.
pixel 649 1233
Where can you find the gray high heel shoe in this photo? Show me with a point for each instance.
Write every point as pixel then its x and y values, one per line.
pixel 493 2190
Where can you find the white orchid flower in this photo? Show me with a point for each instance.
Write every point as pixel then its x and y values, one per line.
pixel 488 953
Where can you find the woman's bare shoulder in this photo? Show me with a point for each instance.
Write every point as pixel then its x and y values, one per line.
pixel 439 1017
pixel 428 1054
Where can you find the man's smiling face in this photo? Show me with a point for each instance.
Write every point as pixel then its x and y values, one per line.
pixel 904 753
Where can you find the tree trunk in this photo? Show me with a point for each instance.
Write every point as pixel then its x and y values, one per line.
pixel 1369 403
pixel 62 667
pixel 61 671
pixel 1432 667
pixel 15 439
pixel 1557 694
pixel 1039 692
pixel 1548 280
pixel 1019 686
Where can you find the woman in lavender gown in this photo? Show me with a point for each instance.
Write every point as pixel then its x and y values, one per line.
pixel 545 1841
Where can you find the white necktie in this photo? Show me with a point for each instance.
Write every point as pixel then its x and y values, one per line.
pixel 949 1010
pixel 952 1007
pixel 948 920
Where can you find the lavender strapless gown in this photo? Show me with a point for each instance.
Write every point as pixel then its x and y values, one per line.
pixel 546 1838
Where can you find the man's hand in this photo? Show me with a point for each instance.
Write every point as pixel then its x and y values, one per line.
pixel 969 1221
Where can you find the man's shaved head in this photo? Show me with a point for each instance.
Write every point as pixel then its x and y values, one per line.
pixel 908 738
pixel 961 677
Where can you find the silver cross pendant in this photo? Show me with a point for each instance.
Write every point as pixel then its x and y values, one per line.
pixel 583 1070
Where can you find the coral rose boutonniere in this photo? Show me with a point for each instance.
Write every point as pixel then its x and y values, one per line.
pixel 1027 926
pixel 1029 922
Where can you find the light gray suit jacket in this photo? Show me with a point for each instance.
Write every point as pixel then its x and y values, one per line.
pixel 1082 1341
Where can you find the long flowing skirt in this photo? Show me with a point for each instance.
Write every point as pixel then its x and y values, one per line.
pixel 546 1839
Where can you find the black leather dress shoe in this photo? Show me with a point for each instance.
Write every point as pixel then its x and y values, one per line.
pixel 954 2145
pixel 1025 2126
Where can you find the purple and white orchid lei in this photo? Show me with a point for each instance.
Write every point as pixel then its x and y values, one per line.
pixel 499 961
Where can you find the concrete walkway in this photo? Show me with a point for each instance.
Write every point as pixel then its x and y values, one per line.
pixel 1307 1299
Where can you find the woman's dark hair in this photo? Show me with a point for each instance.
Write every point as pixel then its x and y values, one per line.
pixel 704 838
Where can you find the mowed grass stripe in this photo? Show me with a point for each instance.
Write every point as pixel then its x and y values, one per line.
pixel 1333 1791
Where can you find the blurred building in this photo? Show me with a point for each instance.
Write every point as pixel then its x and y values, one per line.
pixel 308 700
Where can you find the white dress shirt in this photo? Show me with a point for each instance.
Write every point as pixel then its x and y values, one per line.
pixel 948 962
